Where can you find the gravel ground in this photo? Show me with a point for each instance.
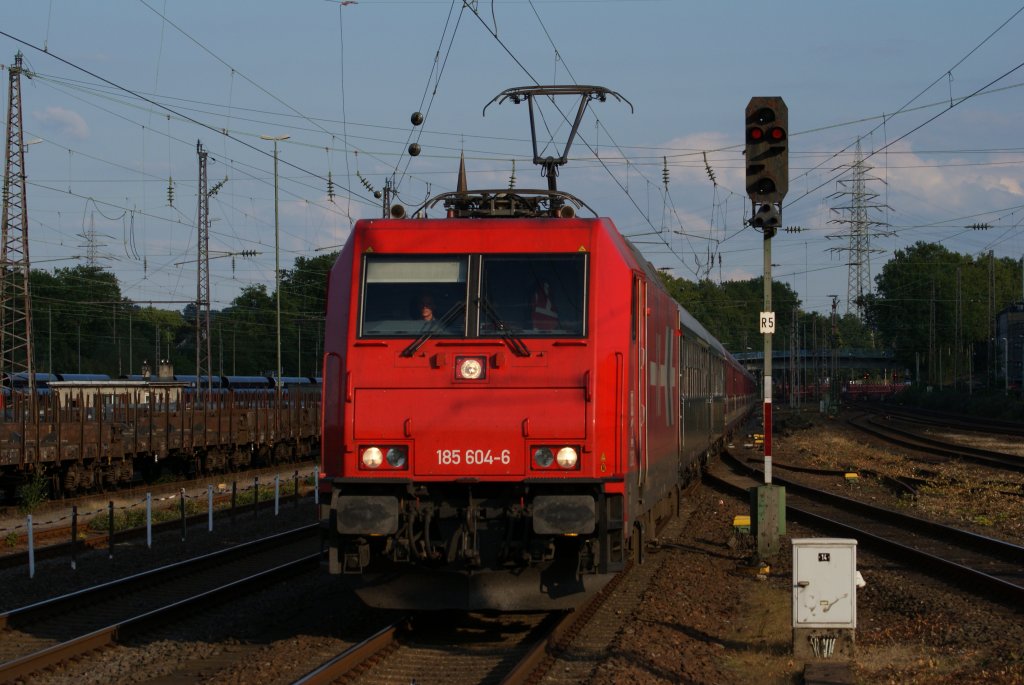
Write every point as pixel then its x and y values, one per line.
pixel 710 616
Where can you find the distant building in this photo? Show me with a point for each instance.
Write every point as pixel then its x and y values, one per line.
pixel 1010 343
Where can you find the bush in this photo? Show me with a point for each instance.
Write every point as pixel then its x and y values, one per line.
pixel 33 492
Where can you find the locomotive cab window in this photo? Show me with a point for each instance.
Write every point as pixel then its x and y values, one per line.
pixel 533 295
pixel 411 294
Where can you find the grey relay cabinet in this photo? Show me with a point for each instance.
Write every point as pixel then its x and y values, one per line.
pixel 824 596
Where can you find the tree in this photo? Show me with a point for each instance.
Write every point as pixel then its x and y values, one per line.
pixel 248 330
pixel 303 303
pixel 915 308
pixel 159 334
pixel 76 312
pixel 730 311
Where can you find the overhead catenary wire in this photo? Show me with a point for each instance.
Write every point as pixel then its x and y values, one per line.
pixel 910 132
pixel 192 120
pixel 903 108
pixel 580 136
pixel 636 161
pixel 436 71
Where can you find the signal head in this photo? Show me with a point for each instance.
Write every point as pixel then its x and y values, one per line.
pixel 767 121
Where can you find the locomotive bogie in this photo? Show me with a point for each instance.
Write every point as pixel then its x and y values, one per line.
pixel 475 538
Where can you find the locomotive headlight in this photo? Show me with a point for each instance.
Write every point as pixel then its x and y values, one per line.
pixel 542 457
pixel 470 368
pixel 396 457
pixel 372 457
pixel 567 457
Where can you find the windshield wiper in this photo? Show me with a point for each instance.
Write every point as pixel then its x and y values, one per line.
pixel 514 342
pixel 434 327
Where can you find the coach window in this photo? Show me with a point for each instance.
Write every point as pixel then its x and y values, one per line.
pixel 397 288
pixel 533 295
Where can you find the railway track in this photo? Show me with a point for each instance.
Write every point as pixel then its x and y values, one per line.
pixel 942 419
pixel 457 648
pixel 937 449
pixel 476 648
pixel 978 563
pixel 51 632
pixel 560 647
pixel 54 528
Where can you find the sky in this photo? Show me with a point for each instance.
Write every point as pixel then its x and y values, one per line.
pixel 121 92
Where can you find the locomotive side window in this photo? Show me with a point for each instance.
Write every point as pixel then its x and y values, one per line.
pixel 410 294
pixel 533 295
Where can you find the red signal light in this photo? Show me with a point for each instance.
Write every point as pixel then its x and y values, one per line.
pixel 777 133
pixel 756 134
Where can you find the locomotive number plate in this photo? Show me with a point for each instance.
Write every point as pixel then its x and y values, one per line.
pixel 473 457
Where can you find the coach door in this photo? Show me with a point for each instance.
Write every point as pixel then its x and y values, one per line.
pixel 638 393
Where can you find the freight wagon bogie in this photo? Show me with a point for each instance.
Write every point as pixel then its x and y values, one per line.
pixel 85 475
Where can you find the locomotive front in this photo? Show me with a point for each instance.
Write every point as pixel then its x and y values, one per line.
pixel 460 442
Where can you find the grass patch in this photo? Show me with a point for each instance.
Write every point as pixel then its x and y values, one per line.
pixel 135 517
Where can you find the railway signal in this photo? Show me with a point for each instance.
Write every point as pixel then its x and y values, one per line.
pixel 767 139
pixel 767 219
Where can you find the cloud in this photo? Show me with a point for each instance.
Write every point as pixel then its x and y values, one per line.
pixel 941 184
pixel 1010 185
pixel 63 122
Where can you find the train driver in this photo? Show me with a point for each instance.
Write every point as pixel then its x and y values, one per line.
pixel 426 308
pixel 544 313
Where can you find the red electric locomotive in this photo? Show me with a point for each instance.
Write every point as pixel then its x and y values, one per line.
pixel 510 403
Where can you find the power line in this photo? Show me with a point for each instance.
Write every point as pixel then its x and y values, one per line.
pixel 155 103
pixel 952 104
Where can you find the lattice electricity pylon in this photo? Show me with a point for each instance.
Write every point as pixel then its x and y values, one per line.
pixel 857 215
pixel 16 350
pixel 203 358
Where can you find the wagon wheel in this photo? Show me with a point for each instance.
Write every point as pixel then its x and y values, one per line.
pixel 214 460
pixel 282 453
pixel 241 458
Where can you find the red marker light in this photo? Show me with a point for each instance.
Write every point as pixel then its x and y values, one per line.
pixel 756 134
pixel 777 134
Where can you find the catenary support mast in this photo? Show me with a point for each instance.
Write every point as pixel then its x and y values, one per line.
pixel 16 350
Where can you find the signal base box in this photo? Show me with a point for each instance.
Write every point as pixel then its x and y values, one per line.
pixel 768 519
pixel 824 597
